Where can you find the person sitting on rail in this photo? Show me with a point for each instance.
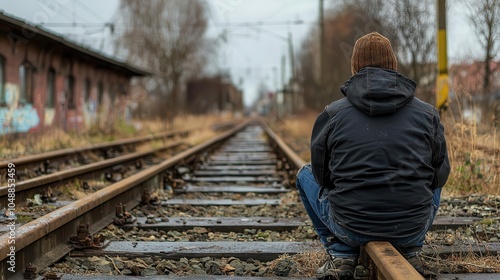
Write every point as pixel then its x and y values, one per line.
pixel 378 163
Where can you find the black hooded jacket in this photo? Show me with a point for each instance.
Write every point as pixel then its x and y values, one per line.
pixel 380 151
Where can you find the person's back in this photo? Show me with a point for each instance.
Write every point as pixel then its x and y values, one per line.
pixel 379 156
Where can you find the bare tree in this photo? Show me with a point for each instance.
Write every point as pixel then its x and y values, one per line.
pixel 166 37
pixel 376 10
pixel 343 26
pixel 484 17
pixel 410 26
pixel 308 71
pixel 413 23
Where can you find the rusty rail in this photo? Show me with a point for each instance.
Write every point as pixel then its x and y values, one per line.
pixel 283 147
pixel 64 152
pixel 389 263
pixel 44 240
pixel 27 188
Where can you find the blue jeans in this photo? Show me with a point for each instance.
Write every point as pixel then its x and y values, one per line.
pixel 339 241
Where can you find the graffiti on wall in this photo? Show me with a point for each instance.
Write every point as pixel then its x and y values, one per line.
pixel 15 117
pixel 89 112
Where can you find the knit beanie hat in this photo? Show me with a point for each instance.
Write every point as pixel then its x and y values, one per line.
pixel 373 50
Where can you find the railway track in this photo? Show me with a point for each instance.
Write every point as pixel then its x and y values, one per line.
pixel 47 181
pixel 227 207
pixel 33 166
pixel 41 195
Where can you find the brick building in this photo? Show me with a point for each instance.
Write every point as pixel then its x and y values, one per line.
pixel 213 95
pixel 48 81
pixel 468 78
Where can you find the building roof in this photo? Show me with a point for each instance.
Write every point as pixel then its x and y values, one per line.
pixel 25 27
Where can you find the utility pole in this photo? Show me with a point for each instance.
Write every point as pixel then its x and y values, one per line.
pixel 281 104
pixel 292 70
pixel 275 75
pixel 321 48
pixel 442 86
pixel 283 67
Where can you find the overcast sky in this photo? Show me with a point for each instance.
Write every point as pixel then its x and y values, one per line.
pixel 251 54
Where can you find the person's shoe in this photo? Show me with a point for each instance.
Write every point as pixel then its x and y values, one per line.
pixel 336 268
pixel 417 263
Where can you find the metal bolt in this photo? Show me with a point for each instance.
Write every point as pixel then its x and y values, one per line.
pixel 145 197
pixel 30 271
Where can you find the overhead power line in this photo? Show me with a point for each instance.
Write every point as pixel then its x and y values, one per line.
pixel 75 24
pixel 220 24
pixel 262 23
pixel 89 10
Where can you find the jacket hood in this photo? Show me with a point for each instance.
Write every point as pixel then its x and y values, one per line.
pixel 378 91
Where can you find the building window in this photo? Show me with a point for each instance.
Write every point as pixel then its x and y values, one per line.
pixel 86 90
pixel 100 93
pixel 70 91
pixel 51 88
pixel 26 83
pixel 112 95
pixel 2 80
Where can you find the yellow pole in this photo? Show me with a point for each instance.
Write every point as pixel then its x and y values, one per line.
pixel 442 86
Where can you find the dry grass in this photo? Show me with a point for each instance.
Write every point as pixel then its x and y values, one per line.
pixel 472 170
pixel 309 263
pixel 465 263
pixel 16 145
pixel 301 265
pixel 199 136
pixel 296 131
pixel 52 139
pixel 184 122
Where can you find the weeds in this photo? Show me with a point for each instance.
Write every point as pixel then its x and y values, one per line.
pixel 300 265
pixel 473 167
pixel 473 158
pixel 16 145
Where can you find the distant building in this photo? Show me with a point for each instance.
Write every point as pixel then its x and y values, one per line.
pixel 468 78
pixel 48 81
pixel 467 92
pixel 265 104
pixel 213 95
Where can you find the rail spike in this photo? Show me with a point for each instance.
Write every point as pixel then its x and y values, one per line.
pixel 30 271
pixel 84 240
pixel 122 216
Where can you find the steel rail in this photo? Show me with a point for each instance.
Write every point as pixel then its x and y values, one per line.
pixel 389 263
pixel 35 183
pixel 44 240
pixel 64 152
pixel 283 147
